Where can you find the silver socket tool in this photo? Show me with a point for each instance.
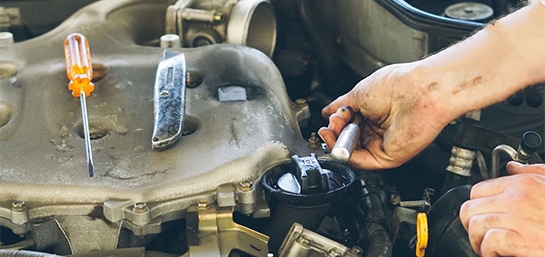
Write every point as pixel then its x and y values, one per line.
pixel 346 142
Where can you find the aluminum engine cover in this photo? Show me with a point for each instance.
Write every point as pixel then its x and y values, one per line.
pixel 42 153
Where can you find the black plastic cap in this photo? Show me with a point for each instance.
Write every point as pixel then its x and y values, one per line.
pixel 530 142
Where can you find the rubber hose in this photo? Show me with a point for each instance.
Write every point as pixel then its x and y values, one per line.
pixel 328 63
pixel 375 226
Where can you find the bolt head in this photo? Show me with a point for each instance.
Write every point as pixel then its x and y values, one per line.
pixel 246 185
pixel 203 204
pixel 18 206
pixel 300 102
pixel 140 207
pixel 313 141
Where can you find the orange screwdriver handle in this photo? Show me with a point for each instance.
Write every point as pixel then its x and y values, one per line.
pixel 78 64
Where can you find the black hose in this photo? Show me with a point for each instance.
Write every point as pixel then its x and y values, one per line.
pixel 374 236
pixel 23 253
pixel 328 62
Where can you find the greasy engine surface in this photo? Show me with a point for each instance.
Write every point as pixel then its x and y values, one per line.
pixel 43 152
pixel 44 129
pixel 247 177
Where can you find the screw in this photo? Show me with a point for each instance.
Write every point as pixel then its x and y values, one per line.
pixel 18 206
pixel 203 204
pixel 164 93
pixel 313 141
pixel 140 207
pixel 301 102
pixel 246 186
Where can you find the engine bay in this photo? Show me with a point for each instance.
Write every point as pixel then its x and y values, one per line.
pixel 202 128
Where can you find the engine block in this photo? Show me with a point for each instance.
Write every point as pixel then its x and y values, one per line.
pixel 42 158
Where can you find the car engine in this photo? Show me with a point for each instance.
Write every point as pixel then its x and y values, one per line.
pixel 199 138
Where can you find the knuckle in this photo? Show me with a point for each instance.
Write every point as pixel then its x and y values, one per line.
pixel 477 188
pixel 473 224
pixel 524 182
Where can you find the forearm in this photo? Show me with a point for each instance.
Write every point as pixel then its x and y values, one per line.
pixel 491 65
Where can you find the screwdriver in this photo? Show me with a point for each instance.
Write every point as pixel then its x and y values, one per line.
pixel 80 72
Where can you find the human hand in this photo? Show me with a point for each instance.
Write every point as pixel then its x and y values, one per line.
pixel 402 116
pixel 506 216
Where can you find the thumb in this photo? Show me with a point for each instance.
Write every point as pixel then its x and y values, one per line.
pixel 519 168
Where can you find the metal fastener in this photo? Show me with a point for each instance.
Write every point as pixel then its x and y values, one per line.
pixel 246 186
pixel 313 141
pixel 300 102
pixel 18 206
pixel 203 204
pixel 218 17
pixel 140 207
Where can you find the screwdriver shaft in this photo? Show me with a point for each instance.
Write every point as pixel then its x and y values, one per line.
pixel 85 119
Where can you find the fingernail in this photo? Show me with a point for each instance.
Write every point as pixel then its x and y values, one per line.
pixel 517 164
pixel 320 133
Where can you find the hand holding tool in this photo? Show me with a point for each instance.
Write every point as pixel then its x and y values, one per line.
pixel 346 142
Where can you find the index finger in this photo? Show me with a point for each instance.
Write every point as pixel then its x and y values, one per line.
pixel 490 187
pixel 344 100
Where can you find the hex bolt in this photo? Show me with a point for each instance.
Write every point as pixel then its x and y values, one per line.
pixel 140 207
pixel 18 206
pixel 246 186
pixel 313 141
pixel 300 102
pixel 203 205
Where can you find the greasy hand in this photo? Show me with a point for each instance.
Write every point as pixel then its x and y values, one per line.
pixel 506 216
pixel 401 117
